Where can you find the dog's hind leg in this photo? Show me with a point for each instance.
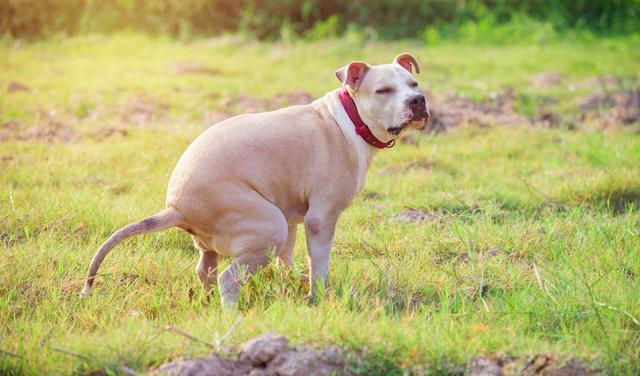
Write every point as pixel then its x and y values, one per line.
pixel 255 240
pixel 207 268
pixel 285 257
pixel 236 275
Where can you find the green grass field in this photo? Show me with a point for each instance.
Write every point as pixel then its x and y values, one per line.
pixel 532 241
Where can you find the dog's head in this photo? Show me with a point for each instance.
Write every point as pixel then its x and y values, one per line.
pixel 386 95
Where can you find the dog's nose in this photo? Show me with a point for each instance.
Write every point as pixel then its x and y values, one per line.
pixel 417 102
pixel 418 106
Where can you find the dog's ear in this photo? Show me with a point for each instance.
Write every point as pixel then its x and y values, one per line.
pixel 407 62
pixel 352 75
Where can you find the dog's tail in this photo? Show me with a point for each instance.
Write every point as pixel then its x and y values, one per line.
pixel 167 218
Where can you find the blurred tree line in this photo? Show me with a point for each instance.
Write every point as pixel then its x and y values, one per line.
pixel 266 19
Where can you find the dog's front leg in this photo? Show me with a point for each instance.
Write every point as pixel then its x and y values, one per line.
pixel 319 230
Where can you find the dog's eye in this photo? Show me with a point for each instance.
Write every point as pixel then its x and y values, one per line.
pixel 413 84
pixel 385 90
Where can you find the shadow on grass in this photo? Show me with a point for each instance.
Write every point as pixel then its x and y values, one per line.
pixel 618 201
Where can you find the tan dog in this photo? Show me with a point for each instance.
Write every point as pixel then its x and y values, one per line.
pixel 242 187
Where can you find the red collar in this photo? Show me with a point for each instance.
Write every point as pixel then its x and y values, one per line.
pixel 361 128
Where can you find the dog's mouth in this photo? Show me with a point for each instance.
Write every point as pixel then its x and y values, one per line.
pixel 417 121
pixel 421 117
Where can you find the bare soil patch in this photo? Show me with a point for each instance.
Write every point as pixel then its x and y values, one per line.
pixel 14 86
pixel 544 364
pixel 268 354
pixel 47 129
pixel 9 130
pixel 455 110
pixel 6 158
pixel 611 109
pixel 417 216
pixel 53 130
pixel 547 118
pixel 102 133
pixel 142 110
pixel 607 105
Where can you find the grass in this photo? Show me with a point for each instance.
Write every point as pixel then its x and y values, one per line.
pixel 533 244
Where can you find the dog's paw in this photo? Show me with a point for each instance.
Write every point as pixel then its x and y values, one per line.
pixel 85 291
pixel 229 305
pixel 312 299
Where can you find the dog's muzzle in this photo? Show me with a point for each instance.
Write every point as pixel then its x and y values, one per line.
pixel 418 106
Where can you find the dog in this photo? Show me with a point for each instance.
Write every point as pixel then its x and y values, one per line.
pixel 244 185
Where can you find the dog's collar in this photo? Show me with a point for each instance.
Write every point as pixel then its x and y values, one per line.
pixel 362 129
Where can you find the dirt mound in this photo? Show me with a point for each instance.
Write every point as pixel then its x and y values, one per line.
pixel 608 105
pixel 104 132
pixel 17 86
pixel 546 118
pixel 9 130
pixel 268 354
pixel 455 110
pixel 611 109
pixel 540 365
pixel 611 102
pixel 142 110
pixel 47 129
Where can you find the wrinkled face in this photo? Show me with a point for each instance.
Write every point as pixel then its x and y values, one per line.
pixel 387 96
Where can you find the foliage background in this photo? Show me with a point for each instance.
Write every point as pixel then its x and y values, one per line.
pixel 387 19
